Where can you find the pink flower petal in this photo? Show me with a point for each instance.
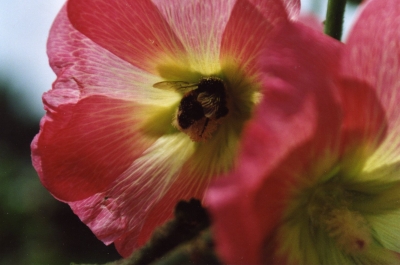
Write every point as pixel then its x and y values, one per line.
pixel 244 38
pixel 92 151
pixel 162 210
pixel 135 31
pixel 206 22
pixel 372 56
pixel 199 24
pixel 85 69
pixel 298 120
pixel 143 196
pixel 84 145
pixel 82 65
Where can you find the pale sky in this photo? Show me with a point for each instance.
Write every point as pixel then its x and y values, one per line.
pixel 24 26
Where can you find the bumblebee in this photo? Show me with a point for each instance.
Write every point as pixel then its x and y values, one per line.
pixel 201 107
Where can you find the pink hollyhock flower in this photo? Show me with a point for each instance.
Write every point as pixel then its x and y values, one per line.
pixel 318 177
pixel 148 106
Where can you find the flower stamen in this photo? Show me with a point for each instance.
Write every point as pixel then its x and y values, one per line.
pixel 349 229
pixel 329 209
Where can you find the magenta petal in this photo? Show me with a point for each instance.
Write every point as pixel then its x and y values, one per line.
pixel 287 8
pixel 234 221
pixel 84 145
pixel 299 96
pixel 312 21
pixel 297 122
pixel 365 125
pixel 373 57
pixel 135 31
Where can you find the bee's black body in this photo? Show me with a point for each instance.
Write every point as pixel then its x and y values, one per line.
pixel 207 100
pixel 190 111
pixel 202 104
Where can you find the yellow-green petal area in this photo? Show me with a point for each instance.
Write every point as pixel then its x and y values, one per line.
pixel 343 220
pixel 213 118
pixel 216 155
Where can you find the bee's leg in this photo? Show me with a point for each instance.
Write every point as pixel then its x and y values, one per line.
pixel 204 127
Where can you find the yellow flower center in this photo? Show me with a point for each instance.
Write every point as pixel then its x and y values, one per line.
pixel 322 223
pixel 209 109
pixel 329 209
pixel 201 108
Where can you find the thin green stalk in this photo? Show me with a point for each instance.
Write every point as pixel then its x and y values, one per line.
pixel 334 18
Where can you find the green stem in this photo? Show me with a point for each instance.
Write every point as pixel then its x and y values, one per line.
pixel 178 237
pixel 198 251
pixel 334 18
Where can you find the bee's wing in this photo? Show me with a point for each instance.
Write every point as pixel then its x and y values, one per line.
pixel 179 86
pixel 209 102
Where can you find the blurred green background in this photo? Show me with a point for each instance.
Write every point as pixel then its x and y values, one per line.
pixel 34 227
